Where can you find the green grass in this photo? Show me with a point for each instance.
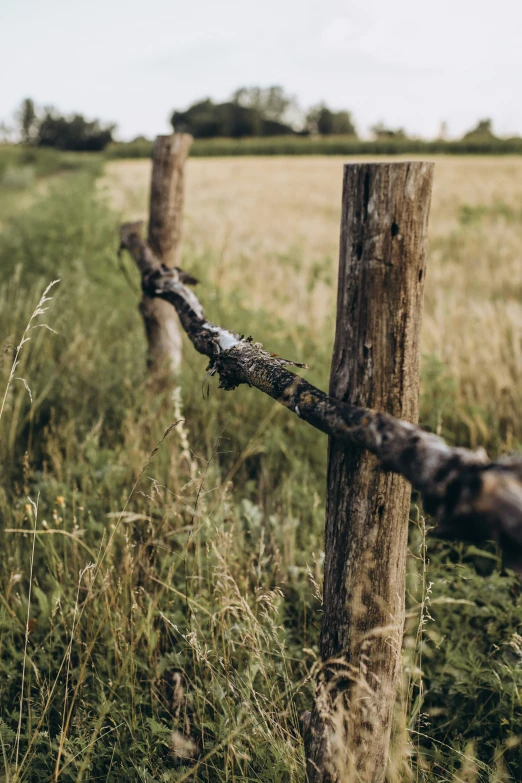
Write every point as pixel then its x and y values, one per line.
pixel 44 160
pixel 326 145
pixel 23 170
pixel 170 583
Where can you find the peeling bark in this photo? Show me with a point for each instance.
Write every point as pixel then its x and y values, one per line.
pixel 471 496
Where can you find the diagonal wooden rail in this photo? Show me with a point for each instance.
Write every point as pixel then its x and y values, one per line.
pixel 471 497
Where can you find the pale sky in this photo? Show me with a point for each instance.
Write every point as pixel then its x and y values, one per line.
pixel 409 63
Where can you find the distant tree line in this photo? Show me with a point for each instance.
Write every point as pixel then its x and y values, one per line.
pixel 251 112
pixel 207 120
pixel 257 111
pixel 48 128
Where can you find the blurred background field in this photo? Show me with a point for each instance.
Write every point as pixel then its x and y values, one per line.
pixel 328 145
pixel 267 230
pixel 179 593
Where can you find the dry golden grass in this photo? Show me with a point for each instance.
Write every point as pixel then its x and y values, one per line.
pixel 271 226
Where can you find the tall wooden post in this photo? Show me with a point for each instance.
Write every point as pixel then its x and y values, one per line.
pixel 384 223
pixel 165 229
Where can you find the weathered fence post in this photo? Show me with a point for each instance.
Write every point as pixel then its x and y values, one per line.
pixel 165 227
pixel 384 222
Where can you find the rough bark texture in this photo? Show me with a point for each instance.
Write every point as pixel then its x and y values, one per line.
pixel 167 189
pixel 471 497
pixel 165 230
pixel 376 364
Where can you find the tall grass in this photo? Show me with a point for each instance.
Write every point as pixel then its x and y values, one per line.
pixel 43 161
pixel 161 555
pixel 25 170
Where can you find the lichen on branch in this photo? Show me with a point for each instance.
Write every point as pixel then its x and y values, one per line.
pixel 470 496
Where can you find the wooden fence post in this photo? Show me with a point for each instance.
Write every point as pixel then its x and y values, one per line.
pixel 385 209
pixel 165 228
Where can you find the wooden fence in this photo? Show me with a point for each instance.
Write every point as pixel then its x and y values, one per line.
pixel 376 450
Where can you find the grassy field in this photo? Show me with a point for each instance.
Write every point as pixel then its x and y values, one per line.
pixel 25 171
pixel 155 587
pixel 267 231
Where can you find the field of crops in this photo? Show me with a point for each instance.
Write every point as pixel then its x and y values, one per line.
pixel 175 593
pixel 268 231
pixel 326 145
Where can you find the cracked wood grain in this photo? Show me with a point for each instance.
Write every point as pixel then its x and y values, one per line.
pixel 384 228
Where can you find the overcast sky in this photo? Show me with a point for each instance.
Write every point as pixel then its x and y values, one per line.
pixel 411 63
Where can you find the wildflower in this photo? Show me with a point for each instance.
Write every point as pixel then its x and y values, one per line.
pixel 60 500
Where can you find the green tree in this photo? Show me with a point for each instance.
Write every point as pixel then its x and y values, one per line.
pixel 232 119
pixel 72 133
pixel 27 121
pixel 343 123
pixel 325 122
pixel 271 103
pixel 381 131
pixel 483 130
pixel 321 119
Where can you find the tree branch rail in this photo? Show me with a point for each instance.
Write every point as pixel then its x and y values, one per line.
pixel 471 497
